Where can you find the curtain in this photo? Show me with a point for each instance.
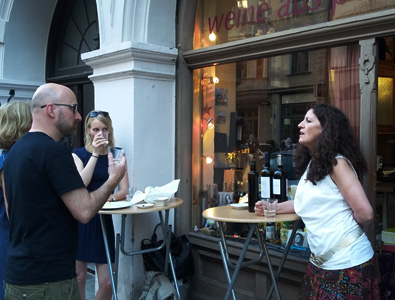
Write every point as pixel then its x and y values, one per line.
pixel 344 82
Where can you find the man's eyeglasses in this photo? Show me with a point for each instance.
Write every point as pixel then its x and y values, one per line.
pixel 73 107
pixel 94 114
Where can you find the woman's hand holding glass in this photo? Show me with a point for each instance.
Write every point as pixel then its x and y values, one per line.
pixel 259 208
pixel 100 141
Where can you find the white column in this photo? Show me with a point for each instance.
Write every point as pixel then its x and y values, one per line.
pixel 135 83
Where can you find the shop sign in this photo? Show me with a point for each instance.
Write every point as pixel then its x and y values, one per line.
pixel 258 15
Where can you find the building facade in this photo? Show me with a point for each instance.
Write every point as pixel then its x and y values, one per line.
pixel 273 61
pixel 117 56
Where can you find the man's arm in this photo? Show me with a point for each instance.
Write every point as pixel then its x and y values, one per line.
pixel 84 205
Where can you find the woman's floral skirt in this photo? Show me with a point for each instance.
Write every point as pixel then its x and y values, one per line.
pixel 357 283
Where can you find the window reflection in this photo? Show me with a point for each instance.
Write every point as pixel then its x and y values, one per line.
pixel 241 19
pixel 256 107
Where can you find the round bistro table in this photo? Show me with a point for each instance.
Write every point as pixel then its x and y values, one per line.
pixel 229 214
pixel 163 212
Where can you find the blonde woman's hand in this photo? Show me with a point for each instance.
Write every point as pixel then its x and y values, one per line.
pixel 98 143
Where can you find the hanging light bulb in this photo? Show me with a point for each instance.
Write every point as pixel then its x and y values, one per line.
pixel 210 79
pixel 210 124
pixel 209 159
pixel 212 36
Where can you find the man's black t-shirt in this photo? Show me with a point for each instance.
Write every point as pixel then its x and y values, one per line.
pixel 43 233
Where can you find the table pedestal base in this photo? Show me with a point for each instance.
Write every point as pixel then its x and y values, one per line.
pixel 241 263
pixel 120 246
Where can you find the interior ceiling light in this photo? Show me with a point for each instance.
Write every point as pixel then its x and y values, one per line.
pixel 212 36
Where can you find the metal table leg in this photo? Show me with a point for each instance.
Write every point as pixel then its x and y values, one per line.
pixel 287 247
pixel 113 281
pixel 240 263
pixel 168 257
pixel 221 248
pixel 262 241
pixel 166 242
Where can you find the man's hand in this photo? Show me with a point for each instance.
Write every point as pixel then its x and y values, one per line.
pixel 116 171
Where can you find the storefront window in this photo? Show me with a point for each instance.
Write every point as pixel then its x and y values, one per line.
pixel 223 21
pixel 244 109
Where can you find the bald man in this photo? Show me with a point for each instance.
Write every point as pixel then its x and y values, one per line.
pixel 46 197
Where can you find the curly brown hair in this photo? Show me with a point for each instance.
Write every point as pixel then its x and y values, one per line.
pixel 336 138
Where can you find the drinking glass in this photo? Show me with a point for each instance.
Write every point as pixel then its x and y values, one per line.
pixel 129 196
pixel 269 207
pixel 105 135
pixel 117 153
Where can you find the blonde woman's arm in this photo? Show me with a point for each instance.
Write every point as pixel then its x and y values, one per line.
pixel 123 189
pixel 87 171
pixel 5 198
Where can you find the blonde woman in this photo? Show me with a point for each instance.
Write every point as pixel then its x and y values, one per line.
pixel 92 163
pixel 15 121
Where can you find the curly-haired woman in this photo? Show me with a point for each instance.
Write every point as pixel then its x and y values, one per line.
pixel 333 205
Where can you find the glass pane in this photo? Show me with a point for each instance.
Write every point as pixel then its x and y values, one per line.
pixel 256 107
pixel 385 101
pixel 235 20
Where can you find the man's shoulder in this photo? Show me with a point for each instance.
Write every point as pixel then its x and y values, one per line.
pixel 34 138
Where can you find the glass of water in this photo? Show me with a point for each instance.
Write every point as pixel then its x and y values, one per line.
pixel 270 207
pixel 117 153
pixel 129 196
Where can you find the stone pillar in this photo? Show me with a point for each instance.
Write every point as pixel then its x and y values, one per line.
pixel 135 83
pixel 368 68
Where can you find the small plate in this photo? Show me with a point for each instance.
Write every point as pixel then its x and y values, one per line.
pixel 117 205
pixel 145 205
pixel 239 205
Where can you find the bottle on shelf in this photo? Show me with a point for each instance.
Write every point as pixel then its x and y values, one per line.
pixel 284 231
pixel 215 197
pixel 241 191
pixel 234 193
pixel 270 232
pixel 209 195
pixel 253 196
pixel 266 179
pixel 225 186
pixel 280 181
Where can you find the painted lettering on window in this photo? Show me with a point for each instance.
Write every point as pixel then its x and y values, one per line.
pixel 240 17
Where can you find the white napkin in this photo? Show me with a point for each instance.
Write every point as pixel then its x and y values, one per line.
pixel 152 193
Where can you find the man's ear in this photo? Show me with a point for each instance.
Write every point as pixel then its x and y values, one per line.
pixel 50 110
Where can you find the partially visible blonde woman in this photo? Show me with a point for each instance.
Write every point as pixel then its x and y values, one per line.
pixel 15 121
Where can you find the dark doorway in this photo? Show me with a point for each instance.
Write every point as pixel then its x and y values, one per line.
pixel 74 30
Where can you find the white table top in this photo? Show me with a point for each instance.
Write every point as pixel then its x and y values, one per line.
pixel 232 215
pixel 133 210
